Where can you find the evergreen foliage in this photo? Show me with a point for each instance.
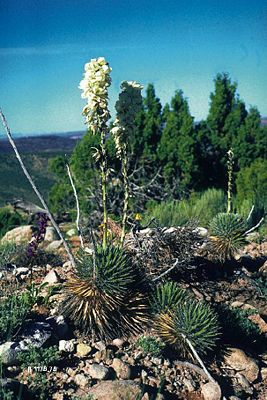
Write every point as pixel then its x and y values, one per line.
pixel 103 297
pixel 186 155
pixel 228 234
pixel 166 296
pixel 193 322
pixel 177 145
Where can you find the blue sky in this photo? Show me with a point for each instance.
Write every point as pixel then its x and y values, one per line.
pixel 174 44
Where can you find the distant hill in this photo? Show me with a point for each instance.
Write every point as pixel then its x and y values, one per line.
pixel 36 152
pixel 43 143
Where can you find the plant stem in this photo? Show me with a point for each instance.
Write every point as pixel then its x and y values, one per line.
pixel 77 206
pixel 126 192
pixel 103 167
pixel 28 176
pixel 230 180
pixel 195 354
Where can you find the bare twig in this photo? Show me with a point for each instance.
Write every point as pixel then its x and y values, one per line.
pixel 167 271
pixel 77 206
pixel 255 227
pixel 28 176
pixel 250 213
pixel 195 354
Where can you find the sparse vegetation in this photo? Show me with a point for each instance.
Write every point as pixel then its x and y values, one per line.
pixel 150 345
pixel 191 322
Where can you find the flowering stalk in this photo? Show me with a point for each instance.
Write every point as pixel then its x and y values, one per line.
pixel 95 89
pixel 230 163
pixel 39 235
pixel 127 106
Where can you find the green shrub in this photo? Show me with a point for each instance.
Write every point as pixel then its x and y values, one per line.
pixel 9 219
pixel 105 297
pixel 166 296
pixel 13 311
pixel 191 321
pixel 227 234
pixel 42 357
pixel 200 206
pixel 150 345
pixel 9 253
pixel 237 329
pixel 251 183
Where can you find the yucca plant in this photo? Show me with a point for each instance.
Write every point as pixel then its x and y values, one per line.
pixel 227 234
pixel 191 327
pixel 103 298
pixel 166 296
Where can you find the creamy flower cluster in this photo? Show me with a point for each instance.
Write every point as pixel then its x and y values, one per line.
pixel 127 106
pixel 95 89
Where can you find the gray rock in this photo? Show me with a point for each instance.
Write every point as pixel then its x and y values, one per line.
pixel 200 231
pixel 21 271
pixel 118 343
pixel 50 234
pixel 66 345
pixel 35 335
pixel 55 245
pixel 211 391
pixel 51 278
pixel 122 369
pixel 238 360
pixel 100 345
pixel 18 235
pixel 9 353
pixel 83 349
pixel 81 380
pixel 71 232
pixel 116 390
pixel 97 371
pixel 242 380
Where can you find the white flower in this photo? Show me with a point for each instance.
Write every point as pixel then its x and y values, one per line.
pixel 95 89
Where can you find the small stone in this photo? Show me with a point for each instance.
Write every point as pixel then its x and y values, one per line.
pixel 81 380
pixel 116 390
pixel 122 370
pixel 244 383
pixel 83 350
pixel 237 304
pixel 264 374
pixel 238 360
pixel 100 345
pixel 18 235
pixel 8 353
pixel 172 229
pixel 51 278
pixel 21 271
pixel 118 343
pixel 55 245
pixel 200 231
pixel 50 234
pixel 156 360
pixel 145 397
pixel 262 325
pixel 66 345
pixel 143 374
pixel 71 232
pixel 97 371
pixel 211 391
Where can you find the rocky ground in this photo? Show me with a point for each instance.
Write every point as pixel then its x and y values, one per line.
pixel 81 367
